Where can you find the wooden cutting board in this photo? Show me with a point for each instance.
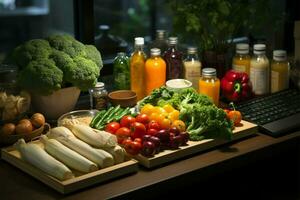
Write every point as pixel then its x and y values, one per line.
pixel 244 130
pixel 80 180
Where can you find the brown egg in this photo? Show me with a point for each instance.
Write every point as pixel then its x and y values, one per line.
pixel 8 129
pixel 24 128
pixel 37 120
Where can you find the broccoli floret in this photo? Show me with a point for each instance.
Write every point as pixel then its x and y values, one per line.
pixel 93 54
pixel 41 76
pixel 208 122
pixel 67 44
pixel 83 74
pixel 36 49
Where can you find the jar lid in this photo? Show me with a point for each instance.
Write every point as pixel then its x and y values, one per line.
pixel 173 40
pixel 259 48
pixel 209 72
pixel 99 85
pixel 242 48
pixel 139 41
pixel 192 50
pixel 279 55
pixel 155 52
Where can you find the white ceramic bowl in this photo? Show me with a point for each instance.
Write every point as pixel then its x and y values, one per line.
pixel 177 84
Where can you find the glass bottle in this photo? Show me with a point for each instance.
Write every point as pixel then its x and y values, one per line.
pixel 98 97
pixel 121 72
pixel 155 71
pixel 241 60
pixel 192 67
pixel 160 41
pixel 260 70
pixel 209 84
pixel 173 58
pixel 279 71
pixel 137 66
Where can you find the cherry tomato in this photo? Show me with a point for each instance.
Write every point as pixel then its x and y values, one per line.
pixel 168 108
pixel 174 115
pixel 165 123
pixel 126 121
pixel 235 116
pixel 152 131
pixel 122 134
pixel 132 147
pixel 146 109
pixel 112 127
pixel 179 124
pixel 142 118
pixel 138 130
pixel 153 125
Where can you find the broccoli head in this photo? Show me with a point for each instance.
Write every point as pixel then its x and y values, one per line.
pixel 83 74
pixel 36 49
pixel 67 44
pixel 73 62
pixel 41 76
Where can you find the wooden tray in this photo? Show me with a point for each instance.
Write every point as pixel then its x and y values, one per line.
pixel 246 129
pixel 80 181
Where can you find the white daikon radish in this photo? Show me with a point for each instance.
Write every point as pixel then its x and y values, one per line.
pixel 67 156
pixel 117 152
pixel 38 157
pixel 62 135
pixel 94 137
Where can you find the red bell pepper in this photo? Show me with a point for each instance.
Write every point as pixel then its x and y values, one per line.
pixel 236 86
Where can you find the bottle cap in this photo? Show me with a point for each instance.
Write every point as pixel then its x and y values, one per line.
pixel 139 41
pixel 192 50
pixel 161 34
pixel 173 40
pixel 104 27
pixel 121 54
pixel 279 55
pixel 209 72
pixel 99 85
pixel 242 48
pixel 259 49
pixel 155 52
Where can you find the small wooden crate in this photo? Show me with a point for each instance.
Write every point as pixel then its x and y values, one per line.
pixel 80 181
pixel 246 129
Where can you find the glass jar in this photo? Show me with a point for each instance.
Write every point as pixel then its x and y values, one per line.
pixel 260 70
pixel 241 60
pixel 209 84
pixel 279 71
pixel 192 67
pixel 98 97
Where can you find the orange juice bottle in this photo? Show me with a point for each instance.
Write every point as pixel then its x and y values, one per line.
pixel 209 84
pixel 155 71
pixel 241 60
pixel 137 66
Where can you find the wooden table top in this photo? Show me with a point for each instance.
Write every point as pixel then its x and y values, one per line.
pixel 15 183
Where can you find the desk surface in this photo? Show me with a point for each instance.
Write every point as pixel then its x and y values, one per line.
pixel 15 183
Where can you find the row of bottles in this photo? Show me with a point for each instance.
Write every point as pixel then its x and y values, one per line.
pixel 148 74
pixel 265 78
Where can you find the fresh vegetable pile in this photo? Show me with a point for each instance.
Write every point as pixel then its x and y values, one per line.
pixel 202 118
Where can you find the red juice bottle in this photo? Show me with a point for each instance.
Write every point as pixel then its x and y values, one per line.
pixel 173 58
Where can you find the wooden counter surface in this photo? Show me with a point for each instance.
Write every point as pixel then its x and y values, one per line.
pixel 15 184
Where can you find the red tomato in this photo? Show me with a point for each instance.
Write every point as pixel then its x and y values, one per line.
pixel 132 147
pixel 138 130
pixel 126 121
pixel 112 127
pixel 122 134
pixel 153 124
pixel 152 131
pixel 138 140
pixel 142 118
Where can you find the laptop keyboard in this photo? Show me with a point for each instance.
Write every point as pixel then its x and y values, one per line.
pixel 270 111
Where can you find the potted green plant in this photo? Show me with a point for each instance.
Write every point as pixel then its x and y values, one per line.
pixel 54 70
pixel 212 24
